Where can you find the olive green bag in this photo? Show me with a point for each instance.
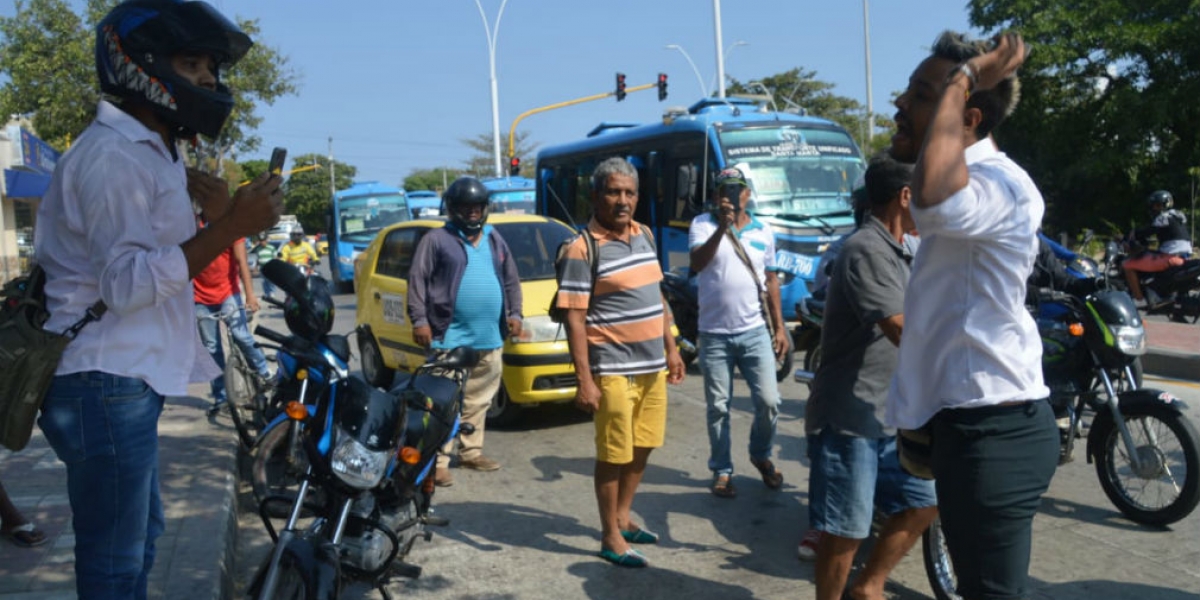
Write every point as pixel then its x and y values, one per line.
pixel 29 355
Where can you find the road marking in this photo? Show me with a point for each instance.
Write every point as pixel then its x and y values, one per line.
pixel 1173 381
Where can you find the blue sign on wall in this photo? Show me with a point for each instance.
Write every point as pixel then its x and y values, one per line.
pixel 35 163
pixel 36 154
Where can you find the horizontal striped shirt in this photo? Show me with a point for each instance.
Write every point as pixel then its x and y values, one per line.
pixel 625 315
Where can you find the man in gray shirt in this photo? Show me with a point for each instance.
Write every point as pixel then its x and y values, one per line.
pixel 854 466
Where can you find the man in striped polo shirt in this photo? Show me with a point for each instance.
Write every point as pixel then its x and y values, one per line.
pixel 463 290
pixel 617 330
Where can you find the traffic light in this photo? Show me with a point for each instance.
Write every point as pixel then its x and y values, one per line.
pixel 514 166
pixel 662 87
pixel 620 87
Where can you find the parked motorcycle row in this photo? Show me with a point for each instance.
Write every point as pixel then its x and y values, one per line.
pixel 342 471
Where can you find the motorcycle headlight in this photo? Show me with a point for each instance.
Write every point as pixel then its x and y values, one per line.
pixel 355 465
pixel 540 329
pixel 1129 340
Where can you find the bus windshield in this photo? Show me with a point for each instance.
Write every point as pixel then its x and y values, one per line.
pixel 793 169
pixel 360 217
pixel 519 202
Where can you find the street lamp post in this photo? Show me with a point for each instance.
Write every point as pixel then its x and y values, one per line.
pixel 725 57
pixel 867 52
pixel 492 32
pixel 699 78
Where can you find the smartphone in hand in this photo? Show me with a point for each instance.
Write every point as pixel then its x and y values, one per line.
pixel 278 155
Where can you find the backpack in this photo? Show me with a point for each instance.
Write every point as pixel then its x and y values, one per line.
pixel 559 315
pixel 29 355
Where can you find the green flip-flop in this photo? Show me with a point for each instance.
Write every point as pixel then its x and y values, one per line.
pixel 640 536
pixel 630 559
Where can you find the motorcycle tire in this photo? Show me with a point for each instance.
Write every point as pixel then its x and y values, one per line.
pixel 783 368
pixel 938 568
pixel 1131 492
pixel 240 392
pixel 272 473
pixel 812 359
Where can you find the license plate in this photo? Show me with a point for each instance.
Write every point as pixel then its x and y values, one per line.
pixel 798 264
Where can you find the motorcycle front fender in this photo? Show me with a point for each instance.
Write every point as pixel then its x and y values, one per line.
pixel 1129 401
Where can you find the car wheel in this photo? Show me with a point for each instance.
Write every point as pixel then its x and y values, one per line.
pixel 373 369
pixel 502 411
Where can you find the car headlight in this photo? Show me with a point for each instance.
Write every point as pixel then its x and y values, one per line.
pixel 355 465
pixel 540 329
pixel 1129 340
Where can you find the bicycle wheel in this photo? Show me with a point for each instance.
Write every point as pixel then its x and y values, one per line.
pixel 240 389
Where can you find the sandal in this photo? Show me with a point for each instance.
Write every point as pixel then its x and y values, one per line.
pixel 631 558
pixel 771 476
pixel 722 486
pixel 26 536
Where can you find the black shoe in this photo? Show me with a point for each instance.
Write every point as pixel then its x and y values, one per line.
pixel 215 409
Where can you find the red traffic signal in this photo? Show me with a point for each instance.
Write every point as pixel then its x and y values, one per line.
pixel 620 87
pixel 514 166
pixel 662 87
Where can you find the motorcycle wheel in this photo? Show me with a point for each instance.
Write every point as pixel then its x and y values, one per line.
pixel 812 359
pixel 1167 487
pixel 272 473
pixel 938 567
pixel 783 368
pixel 240 391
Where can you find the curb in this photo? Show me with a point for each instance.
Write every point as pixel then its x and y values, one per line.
pixel 1171 363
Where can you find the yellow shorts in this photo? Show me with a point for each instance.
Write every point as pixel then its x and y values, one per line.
pixel 632 414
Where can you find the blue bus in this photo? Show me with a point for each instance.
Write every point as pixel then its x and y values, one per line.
pixel 801 170
pixel 424 203
pixel 356 214
pixel 512 195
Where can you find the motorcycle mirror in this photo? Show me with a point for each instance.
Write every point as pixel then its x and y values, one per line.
pixel 286 277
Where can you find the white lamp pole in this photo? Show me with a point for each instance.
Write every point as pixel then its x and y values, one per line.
pixel 867 52
pixel 492 32
pixel 720 57
pixel 699 79
pixel 725 56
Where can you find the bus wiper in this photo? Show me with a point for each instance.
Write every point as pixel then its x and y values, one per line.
pixel 826 228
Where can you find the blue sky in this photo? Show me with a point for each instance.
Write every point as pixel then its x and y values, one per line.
pixel 397 83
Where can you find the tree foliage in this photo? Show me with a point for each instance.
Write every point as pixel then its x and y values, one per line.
pixel 306 194
pixel 430 179
pixel 1108 107
pixel 482 162
pixel 798 90
pixel 47 55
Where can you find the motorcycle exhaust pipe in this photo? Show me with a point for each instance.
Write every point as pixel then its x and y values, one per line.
pixel 803 376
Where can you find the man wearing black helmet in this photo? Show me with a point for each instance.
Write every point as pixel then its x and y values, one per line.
pixel 117 225
pixel 462 292
pixel 1169 227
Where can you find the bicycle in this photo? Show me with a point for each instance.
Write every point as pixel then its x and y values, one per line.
pixel 250 399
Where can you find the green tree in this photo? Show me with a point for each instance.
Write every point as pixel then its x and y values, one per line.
pixel 1108 107
pixel 306 193
pixel 430 179
pixel 798 90
pixel 482 162
pixel 47 56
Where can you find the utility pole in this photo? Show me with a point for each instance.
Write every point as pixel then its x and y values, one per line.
pixel 720 46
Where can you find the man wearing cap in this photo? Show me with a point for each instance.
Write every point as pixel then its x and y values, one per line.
pixel 733 331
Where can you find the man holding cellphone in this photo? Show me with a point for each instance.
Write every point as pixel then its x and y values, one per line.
pixel 733 331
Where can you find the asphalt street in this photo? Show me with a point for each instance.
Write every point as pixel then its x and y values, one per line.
pixel 530 530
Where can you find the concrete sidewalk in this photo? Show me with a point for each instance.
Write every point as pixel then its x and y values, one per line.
pixel 198 474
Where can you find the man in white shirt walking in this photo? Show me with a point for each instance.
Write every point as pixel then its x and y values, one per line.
pixel 970 358
pixel 117 225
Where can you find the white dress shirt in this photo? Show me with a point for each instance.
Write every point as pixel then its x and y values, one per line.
pixel 110 227
pixel 968 339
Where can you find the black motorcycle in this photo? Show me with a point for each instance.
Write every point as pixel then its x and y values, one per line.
pixel 358 456
pixel 681 290
pixel 1146 451
pixel 1179 287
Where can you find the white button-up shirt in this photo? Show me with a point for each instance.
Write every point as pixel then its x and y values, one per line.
pixel 110 227
pixel 968 339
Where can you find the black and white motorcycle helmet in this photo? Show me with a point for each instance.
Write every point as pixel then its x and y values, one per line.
pixel 134 45
pixel 1162 197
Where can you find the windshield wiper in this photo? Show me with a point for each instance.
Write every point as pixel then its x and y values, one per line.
pixel 826 228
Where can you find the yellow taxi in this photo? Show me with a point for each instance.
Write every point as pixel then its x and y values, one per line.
pixel 537 365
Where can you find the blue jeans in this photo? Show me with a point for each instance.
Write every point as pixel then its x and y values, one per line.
pixel 753 355
pixel 268 287
pixel 210 335
pixel 105 428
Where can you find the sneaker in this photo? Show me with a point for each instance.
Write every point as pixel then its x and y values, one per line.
pixel 808 546
pixel 479 463
pixel 442 477
pixel 267 381
pixel 1154 301
pixel 216 409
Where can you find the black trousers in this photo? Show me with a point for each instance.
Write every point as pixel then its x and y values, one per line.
pixel 992 465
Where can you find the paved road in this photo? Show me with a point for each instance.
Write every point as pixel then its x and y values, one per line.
pixel 530 530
